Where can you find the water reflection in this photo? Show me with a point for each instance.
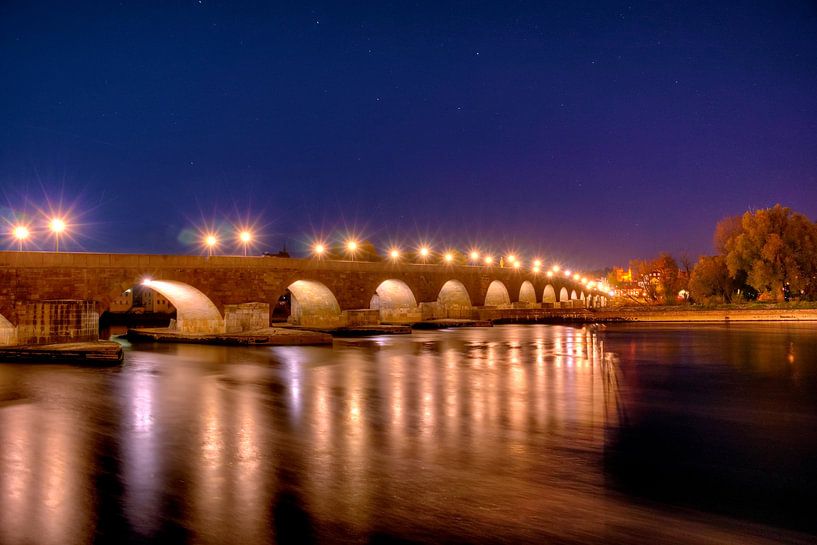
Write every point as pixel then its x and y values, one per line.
pixel 457 435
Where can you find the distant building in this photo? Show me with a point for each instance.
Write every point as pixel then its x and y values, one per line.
pixel 153 301
pixel 623 276
pixel 123 303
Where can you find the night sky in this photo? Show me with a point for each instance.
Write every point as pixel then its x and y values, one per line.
pixel 585 133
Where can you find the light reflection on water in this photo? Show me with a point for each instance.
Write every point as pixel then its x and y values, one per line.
pixel 467 435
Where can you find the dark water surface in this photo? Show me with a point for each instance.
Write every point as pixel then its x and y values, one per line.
pixel 535 434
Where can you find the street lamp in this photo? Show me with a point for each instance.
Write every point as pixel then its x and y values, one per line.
pixel 351 247
pixel 210 241
pixel 57 226
pixel 394 253
pixel 245 237
pixel 488 260
pixel 21 233
pixel 449 257
pixel 424 252
pixel 319 249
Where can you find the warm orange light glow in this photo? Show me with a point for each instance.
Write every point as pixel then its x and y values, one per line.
pixel 517 264
pixel 567 273
pixel 351 245
pixel 394 253
pixel 319 249
pixel 511 258
pixel 245 236
pixel 21 232
pixel 57 225
pixel 550 274
pixel 536 268
pixel 537 262
pixel 211 240
pixel 576 276
pixel 424 251
pixel 488 260
pixel 555 268
pixel 146 282
pixel 474 255
pixel 448 258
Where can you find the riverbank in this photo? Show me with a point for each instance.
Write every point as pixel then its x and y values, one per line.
pixel 686 314
pixel 94 353
pixel 271 336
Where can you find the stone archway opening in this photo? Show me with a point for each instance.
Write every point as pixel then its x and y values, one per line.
pixel 312 304
pixel 454 301
pixel 396 303
pixel 549 295
pixel 563 295
pixel 527 293
pixel 195 312
pixel 8 333
pixel 497 295
pixel 573 296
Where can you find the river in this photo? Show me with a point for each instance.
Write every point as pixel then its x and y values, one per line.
pixel 512 434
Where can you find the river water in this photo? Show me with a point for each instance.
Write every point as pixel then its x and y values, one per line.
pixel 512 434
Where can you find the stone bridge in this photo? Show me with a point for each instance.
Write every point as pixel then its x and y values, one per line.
pixel 208 292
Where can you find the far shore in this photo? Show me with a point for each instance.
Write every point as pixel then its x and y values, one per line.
pixel 725 313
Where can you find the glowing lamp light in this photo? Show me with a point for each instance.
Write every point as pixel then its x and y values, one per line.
pixel 474 255
pixel 516 264
pixel 448 257
pixel 576 276
pixel 591 284
pixel 245 236
pixel 550 274
pixel 351 245
pixel 568 273
pixel 424 251
pixel 394 253
pixel 537 262
pixel 57 225
pixel 211 240
pixel 511 258
pixel 21 232
pixel 611 293
pixel 555 268
pixel 536 268
pixel 147 282
pixel 319 249
pixel 488 260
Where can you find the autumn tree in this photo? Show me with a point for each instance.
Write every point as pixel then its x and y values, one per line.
pixel 710 280
pixel 777 249
pixel 658 278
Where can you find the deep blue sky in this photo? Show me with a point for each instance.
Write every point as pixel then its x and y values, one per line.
pixel 589 133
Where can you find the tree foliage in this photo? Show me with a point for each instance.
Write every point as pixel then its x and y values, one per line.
pixel 777 250
pixel 770 252
pixel 658 278
pixel 710 280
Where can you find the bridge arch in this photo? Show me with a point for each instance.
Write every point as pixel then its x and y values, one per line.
pixel 527 293
pixel 453 300
pixel 395 301
pixel 563 295
pixel 549 295
pixel 195 312
pixel 313 304
pixel 573 295
pixel 8 333
pixel 497 295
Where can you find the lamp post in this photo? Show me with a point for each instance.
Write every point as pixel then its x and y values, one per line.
pixel 245 237
pixel 21 233
pixel 57 226
pixel 211 242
